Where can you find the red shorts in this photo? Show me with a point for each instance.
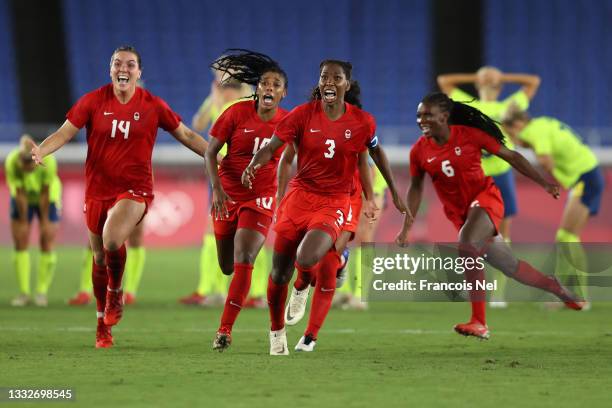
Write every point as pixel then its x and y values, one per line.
pixel 489 200
pixel 253 214
pixel 96 211
pixel 301 211
pixel 352 219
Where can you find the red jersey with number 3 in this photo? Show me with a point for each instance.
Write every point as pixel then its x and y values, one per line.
pixel 120 139
pixel 245 133
pixel 454 167
pixel 327 150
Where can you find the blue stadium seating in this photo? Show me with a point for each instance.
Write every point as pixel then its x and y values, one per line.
pixel 10 109
pixel 387 42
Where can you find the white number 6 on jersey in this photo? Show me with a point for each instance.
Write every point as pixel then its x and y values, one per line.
pixel 331 149
pixel 447 168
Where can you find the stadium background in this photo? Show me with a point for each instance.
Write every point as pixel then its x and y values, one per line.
pixel 53 52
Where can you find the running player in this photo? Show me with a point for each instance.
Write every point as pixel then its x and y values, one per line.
pixel 560 151
pixel 489 82
pixel 449 151
pixel 331 137
pixel 242 216
pixel 121 121
pixel 34 191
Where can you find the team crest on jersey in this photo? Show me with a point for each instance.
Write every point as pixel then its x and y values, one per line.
pixel 136 115
pixel 347 133
pixel 458 151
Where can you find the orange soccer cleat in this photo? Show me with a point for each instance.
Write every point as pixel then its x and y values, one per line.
pixel 473 328
pixel 114 307
pixel 80 299
pixel 195 299
pixel 104 338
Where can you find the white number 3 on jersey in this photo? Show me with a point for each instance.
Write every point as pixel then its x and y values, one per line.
pixel 330 149
pixel 447 168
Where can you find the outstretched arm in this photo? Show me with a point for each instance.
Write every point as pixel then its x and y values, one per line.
pixel 413 198
pixel 190 139
pixel 521 164
pixel 283 171
pixel 380 158
pixel 448 82
pixel 54 141
pixel 262 156
pixel 529 83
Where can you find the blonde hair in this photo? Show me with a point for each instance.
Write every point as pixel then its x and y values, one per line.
pixel 25 147
pixel 514 113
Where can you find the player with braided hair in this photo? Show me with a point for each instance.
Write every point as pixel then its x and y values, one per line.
pixel 242 216
pixel 449 151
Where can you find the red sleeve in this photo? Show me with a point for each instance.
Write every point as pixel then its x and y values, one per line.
pixel 485 141
pixel 168 119
pixel 224 126
pixel 292 125
pixel 415 162
pixel 81 111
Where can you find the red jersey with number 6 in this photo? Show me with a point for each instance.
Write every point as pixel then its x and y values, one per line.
pixel 327 150
pixel 120 139
pixel 245 133
pixel 455 167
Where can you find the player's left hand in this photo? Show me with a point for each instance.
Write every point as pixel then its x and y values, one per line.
pixel 370 210
pixel 249 174
pixel 553 190
pixel 36 155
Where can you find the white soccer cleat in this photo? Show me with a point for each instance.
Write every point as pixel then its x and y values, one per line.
pixel 294 312
pixel 278 343
pixel 20 301
pixel 306 343
pixel 40 300
pixel 500 304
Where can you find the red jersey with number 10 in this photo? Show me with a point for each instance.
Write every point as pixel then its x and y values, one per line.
pixel 327 150
pixel 245 133
pixel 454 167
pixel 120 139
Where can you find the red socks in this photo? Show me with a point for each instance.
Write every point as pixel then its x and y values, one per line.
pixel 238 290
pixel 478 297
pixel 324 292
pixel 277 297
pixel 305 276
pixel 99 278
pixel 528 275
pixel 115 264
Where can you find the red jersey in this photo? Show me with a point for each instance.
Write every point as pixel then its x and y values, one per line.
pixel 454 167
pixel 245 133
pixel 120 140
pixel 327 150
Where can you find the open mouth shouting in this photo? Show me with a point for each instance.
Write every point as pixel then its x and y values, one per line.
pixel 329 95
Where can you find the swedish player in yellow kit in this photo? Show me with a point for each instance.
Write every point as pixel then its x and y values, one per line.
pixel 560 151
pixel 34 191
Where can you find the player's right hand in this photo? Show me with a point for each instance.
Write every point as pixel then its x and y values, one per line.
pixel 219 203
pixel 553 190
pixel 249 174
pixel 36 155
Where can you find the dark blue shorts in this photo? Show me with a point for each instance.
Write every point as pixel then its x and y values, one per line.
pixel 33 209
pixel 591 189
pixel 507 187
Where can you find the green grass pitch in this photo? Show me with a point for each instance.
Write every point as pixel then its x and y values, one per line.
pixel 400 354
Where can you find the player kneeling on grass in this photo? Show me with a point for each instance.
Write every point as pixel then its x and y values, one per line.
pixel 121 121
pixel 449 151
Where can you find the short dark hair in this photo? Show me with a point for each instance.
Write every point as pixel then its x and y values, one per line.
pixel 128 48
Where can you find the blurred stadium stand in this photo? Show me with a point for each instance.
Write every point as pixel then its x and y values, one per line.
pixel 565 42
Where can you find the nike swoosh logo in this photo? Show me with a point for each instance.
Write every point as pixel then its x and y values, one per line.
pixel 315 130
pixel 234 304
pixel 327 290
pixel 108 113
pixel 249 130
pixel 431 159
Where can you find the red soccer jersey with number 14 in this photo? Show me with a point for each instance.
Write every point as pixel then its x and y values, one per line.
pixel 245 133
pixel 327 150
pixel 120 139
pixel 454 167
